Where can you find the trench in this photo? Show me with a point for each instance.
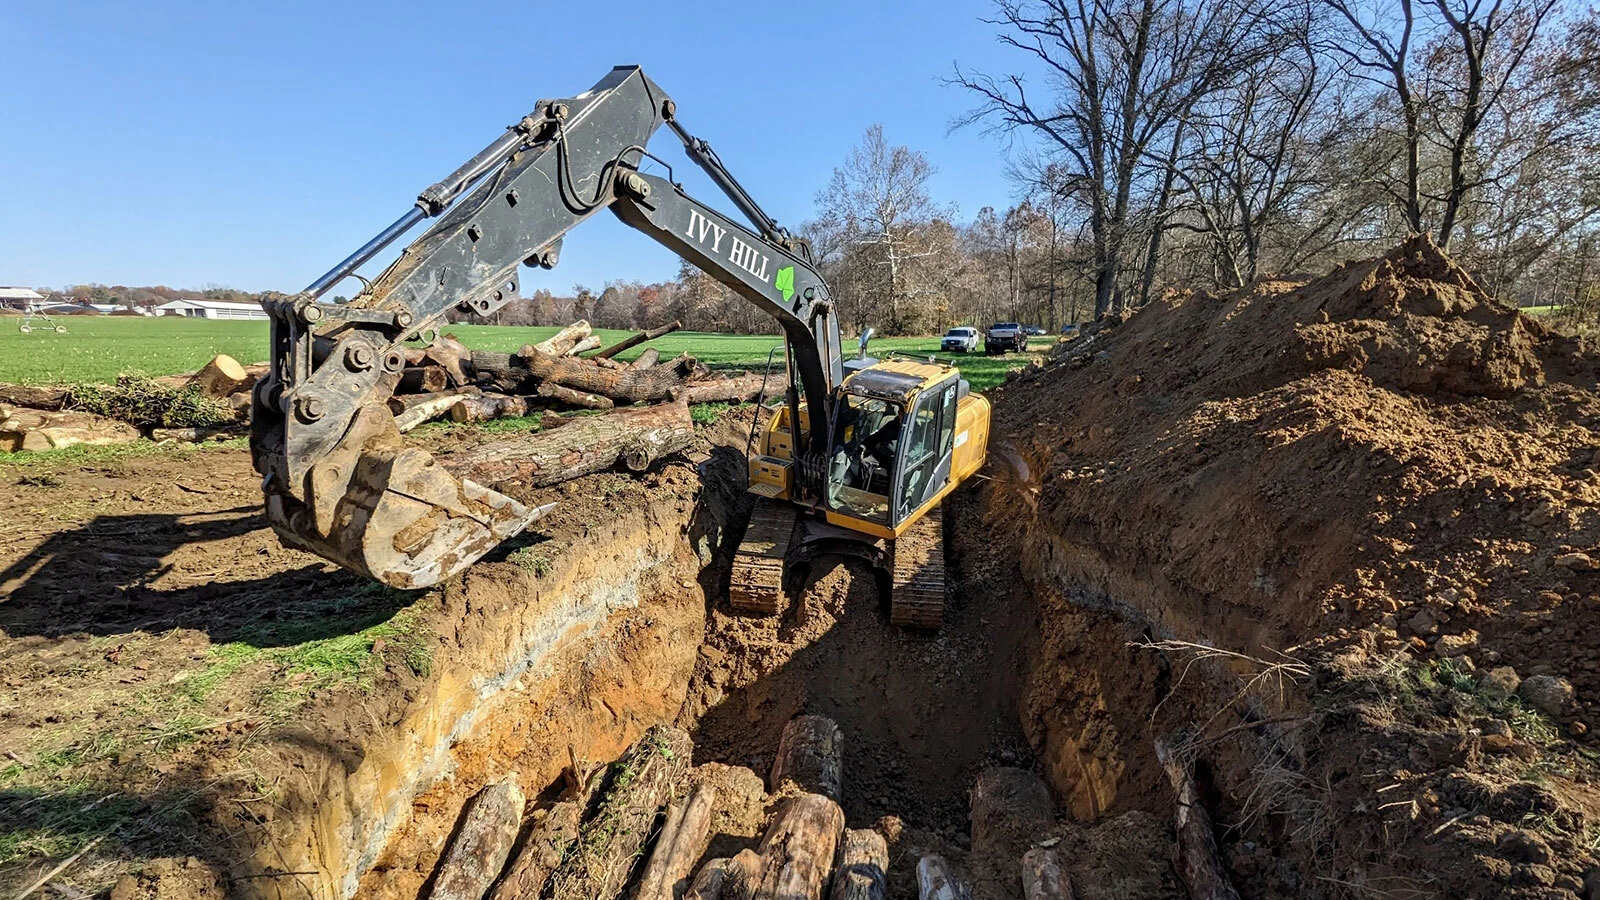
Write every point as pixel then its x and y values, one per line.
pixel 632 628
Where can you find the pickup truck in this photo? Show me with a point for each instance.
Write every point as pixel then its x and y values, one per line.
pixel 959 340
pixel 1003 336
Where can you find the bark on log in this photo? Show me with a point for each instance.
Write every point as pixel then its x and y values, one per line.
pixel 935 882
pixel 51 398
pixel 637 339
pixel 488 407
pixel 453 356
pixel 861 870
pixel 481 844
pixel 741 879
pixel 796 854
pixel 591 342
pixel 428 410
pixel 707 884
pixel 607 363
pixel 596 866
pixel 423 380
pixel 810 757
pixel 574 398
pixel 646 359
pixel 220 377
pixel 590 444
pixel 541 852
pixel 1199 864
pixel 638 386
pixel 732 390
pixel 684 836
pixel 1042 876
pixel 34 429
pixel 559 343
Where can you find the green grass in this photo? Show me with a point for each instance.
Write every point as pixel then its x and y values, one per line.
pixel 98 349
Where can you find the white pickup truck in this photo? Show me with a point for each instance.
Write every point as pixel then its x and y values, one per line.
pixel 959 340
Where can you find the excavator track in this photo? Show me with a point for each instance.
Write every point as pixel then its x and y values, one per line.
pixel 916 598
pixel 756 584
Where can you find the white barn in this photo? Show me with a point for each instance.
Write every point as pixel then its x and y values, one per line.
pixel 211 309
pixel 19 297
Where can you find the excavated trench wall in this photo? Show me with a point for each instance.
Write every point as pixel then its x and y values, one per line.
pixel 577 660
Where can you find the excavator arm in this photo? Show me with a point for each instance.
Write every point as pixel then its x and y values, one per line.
pixel 337 478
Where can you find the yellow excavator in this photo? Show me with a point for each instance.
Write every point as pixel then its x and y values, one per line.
pixel 855 460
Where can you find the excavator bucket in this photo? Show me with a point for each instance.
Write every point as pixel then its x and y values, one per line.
pixel 392 512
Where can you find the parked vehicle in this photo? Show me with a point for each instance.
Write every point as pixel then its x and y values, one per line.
pixel 1003 336
pixel 1070 330
pixel 960 340
pixel 1034 330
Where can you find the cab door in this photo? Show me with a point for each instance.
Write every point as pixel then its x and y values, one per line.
pixel 926 441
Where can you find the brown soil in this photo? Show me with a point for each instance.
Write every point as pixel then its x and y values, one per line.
pixel 1370 476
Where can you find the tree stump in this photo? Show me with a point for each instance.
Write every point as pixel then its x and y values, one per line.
pixel 222 376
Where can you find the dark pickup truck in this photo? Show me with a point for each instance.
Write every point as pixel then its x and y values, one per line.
pixel 1004 336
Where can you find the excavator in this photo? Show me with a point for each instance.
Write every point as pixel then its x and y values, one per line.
pixel 855 459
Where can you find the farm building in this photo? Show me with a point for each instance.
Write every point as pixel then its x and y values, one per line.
pixel 19 297
pixel 211 309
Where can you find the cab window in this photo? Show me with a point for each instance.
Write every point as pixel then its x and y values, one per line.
pixel 929 438
pixel 866 441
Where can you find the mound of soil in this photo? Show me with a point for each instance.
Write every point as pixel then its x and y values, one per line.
pixel 1376 492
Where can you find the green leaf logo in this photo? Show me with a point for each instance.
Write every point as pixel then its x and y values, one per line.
pixel 785 282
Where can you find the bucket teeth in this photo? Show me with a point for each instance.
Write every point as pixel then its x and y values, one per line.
pixel 916 598
pixel 756 583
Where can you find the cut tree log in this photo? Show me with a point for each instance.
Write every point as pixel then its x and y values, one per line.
pixel 1199 864
pixel 739 389
pixel 51 398
pixel 220 377
pixel 636 437
pixel 481 844
pixel 596 866
pixel 559 343
pixel 935 882
pixel 607 363
pixel 574 398
pixel 638 386
pixel 488 407
pixel 402 402
pixel 683 838
pixel 810 757
pixel 591 342
pixel 1010 810
pixel 35 429
pixel 741 877
pixel 637 339
pixel 453 356
pixel 861 869
pixel 796 853
pixel 707 883
pixel 423 380
pixel 435 406
pixel 542 851
pixel 1042 876
pixel 646 359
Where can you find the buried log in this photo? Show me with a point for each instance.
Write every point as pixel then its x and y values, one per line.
pixel 860 871
pixel 1199 864
pixel 597 864
pixel 739 389
pixel 637 339
pixel 636 437
pixel 574 398
pixel 541 853
pixel 635 385
pixel 487 408
pixel 222 376
pixel 1010 810
pixel 796 853
pixel 481 844
pixel 1042 877
pixel 810 757
pixel 935 882
pixel 684 836
pixel 51 398
pixel 559 343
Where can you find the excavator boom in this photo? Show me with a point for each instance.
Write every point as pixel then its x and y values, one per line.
pixel 337 477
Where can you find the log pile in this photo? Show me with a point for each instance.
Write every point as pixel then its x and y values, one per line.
pixel 640 828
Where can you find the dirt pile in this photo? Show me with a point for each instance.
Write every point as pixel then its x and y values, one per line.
pixel 1376 492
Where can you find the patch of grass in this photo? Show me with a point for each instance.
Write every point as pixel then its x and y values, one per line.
pixel 707 413
pixel 532 560
pixel 51 824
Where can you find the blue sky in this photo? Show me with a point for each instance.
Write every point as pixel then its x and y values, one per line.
pixel 253 145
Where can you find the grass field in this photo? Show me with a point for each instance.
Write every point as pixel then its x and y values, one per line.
pixel 97 349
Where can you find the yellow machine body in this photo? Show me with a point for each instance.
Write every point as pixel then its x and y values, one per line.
pixel 773 468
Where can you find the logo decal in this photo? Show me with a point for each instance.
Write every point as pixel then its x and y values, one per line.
pixel 785 282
